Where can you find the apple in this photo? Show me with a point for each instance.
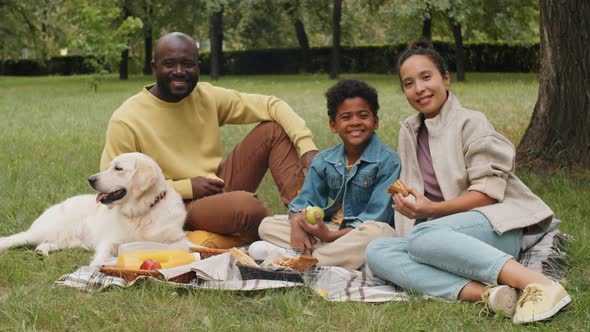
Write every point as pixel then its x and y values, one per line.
pixel 310 214
pixel 150 264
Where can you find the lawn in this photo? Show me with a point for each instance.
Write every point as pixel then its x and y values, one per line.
pixel 51 137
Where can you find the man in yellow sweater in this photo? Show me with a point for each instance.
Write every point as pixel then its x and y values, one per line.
pixel 177 122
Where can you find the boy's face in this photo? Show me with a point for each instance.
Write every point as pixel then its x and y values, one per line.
pixel 354 122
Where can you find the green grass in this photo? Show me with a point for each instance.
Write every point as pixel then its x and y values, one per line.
pixel 51 137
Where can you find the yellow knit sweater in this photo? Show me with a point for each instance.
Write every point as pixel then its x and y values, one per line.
pixel 184 137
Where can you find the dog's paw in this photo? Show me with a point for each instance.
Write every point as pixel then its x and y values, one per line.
pixel 99 260
pixel 43 249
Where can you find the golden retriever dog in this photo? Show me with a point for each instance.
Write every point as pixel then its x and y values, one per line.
pixel 135 203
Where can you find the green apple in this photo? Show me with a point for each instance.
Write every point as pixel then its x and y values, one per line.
pixel 310 214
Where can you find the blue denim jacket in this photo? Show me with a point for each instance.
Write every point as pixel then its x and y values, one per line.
pixel 360 191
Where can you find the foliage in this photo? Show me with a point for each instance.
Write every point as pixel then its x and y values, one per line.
pixel 98 27
pixel 260 24
pixel 101 30
pixel 481 20
pixel 36 25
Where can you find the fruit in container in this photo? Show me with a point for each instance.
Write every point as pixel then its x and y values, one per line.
pixel 168 258
pixel 150 264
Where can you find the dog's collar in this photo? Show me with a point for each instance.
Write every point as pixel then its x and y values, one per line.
pixel 158 198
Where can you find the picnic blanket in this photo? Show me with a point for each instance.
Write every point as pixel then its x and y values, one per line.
pixel 544 253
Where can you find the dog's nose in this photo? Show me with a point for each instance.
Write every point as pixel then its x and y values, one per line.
pixel 92 180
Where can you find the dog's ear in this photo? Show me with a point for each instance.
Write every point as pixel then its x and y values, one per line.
pixel 143 178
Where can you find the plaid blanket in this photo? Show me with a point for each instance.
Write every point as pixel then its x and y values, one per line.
pixel 546 255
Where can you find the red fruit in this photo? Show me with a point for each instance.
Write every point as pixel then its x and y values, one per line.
pixel 150 264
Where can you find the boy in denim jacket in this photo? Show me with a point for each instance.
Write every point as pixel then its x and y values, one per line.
pixel 348 181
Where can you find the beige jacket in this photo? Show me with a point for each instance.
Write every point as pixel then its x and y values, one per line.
pixel 468 154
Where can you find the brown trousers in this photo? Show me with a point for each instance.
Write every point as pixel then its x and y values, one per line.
pixel 237 211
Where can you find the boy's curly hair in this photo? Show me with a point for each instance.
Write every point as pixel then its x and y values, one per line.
pixel 349 88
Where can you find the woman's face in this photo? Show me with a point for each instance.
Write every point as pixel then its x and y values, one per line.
pixel 424 86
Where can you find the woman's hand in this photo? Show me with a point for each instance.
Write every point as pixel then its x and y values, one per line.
pixel 421 208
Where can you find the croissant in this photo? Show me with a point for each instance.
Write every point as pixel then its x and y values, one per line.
pixel 398 187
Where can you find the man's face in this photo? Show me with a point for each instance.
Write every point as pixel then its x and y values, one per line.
pixel 176 67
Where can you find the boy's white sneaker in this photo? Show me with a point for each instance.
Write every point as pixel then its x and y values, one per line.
pixel 259 250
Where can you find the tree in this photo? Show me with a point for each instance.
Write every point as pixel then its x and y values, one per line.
pixel 427 28
pixel 124 64
pixel 36 25
pixel 103 32
pixel 293 8
pixel 216 39
pixel 506 20
pixel 558 133
pixel 335 59
pixel 17 26
pixel 459 50
pixel 148 37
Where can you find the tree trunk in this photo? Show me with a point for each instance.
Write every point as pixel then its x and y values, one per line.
pixel 558 134
pixel 427 28
pixel 123 65
pixel 148 37
pixel 290 8
pixel 459 50
pixel 147 64
pixel 216 38
pixel 335 68
pixel 303 44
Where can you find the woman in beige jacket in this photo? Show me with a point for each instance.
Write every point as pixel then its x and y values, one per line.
pixel 469 208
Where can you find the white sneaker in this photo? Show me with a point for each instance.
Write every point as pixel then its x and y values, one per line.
pixel 498 299
pixel 259 250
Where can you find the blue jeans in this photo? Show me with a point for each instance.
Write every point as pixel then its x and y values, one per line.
pixel 439 257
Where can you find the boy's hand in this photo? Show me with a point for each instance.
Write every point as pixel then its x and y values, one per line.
pixel 319 229
pixel 300 239
pixel 322 232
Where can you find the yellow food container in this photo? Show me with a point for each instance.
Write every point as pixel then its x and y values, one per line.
pixel 167 258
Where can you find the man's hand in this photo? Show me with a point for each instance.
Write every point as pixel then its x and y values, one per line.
pixel 203 187
pixel 307 158
pixel 300 239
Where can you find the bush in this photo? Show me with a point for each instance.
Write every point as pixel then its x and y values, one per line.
pixel 479 57
pixel 63 65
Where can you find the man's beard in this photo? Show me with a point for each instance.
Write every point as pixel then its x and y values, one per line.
pixel 164 87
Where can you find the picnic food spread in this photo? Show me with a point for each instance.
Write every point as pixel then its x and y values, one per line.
pixel 398 187
pixel 150 264
pixel 242 257
pixel 166 258
pixel 298 263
